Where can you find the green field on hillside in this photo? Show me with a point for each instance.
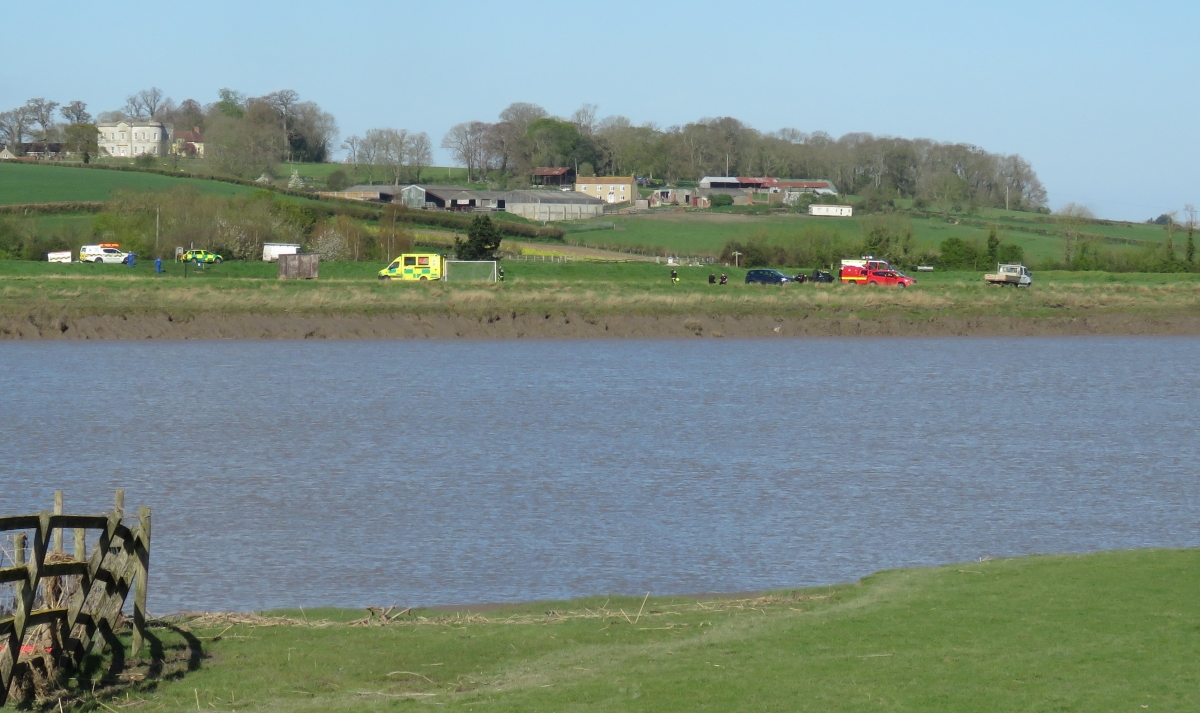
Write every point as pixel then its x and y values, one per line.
pixel 1112 631
pixel 24 183
pixel 706 233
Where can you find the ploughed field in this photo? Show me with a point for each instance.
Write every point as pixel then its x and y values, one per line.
pixel 1107 631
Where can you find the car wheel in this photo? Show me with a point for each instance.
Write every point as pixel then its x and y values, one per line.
pixel 423 278
pixel 901 285
pixel 219 261
pixel 98 260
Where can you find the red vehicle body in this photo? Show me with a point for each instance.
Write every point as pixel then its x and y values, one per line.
pixel 870 271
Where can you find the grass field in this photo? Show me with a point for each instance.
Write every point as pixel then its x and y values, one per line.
pixel 1112 631
pixel 705 232
pixel 23 183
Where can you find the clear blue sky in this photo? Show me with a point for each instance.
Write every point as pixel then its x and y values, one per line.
pixel 1100 97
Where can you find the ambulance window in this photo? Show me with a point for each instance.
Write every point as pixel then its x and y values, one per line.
pixel 409 261
pixel 394 265
pixel 423 261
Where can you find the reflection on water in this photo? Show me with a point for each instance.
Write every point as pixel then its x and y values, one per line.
pixel 354 473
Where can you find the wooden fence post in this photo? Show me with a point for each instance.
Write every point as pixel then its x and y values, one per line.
pixel 141 544
pixel 80 544
pixel 58 510
pixel 120 504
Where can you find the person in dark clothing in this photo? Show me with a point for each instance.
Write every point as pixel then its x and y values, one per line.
pixel 724 279
pixel 674 277
pixel 712 278
pixel 500 273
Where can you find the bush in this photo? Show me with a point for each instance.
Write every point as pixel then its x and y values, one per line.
pixel 337 180
pixel 719 200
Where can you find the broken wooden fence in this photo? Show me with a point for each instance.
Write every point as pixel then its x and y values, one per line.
pixel 120 561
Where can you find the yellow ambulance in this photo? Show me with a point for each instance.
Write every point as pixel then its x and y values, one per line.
pixel 414 266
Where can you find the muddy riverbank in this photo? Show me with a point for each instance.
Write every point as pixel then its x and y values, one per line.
pixel 566 325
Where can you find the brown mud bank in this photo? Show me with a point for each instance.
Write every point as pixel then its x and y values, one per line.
pixel 576 326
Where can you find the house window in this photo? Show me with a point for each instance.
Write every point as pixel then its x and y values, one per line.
pixel 122 135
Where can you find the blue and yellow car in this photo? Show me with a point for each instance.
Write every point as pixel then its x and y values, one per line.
pixel 200 256
pixel 414 266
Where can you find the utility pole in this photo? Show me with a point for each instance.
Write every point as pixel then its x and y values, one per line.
pixel 1006 190
pixel 157 217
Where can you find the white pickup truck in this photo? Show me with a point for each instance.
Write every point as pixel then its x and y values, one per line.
pixel 1010 274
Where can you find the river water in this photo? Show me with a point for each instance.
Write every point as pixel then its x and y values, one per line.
pixel 346 473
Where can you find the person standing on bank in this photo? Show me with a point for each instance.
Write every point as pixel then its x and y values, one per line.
pixel 674 277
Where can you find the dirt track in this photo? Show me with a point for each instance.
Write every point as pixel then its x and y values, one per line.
pixel 571 326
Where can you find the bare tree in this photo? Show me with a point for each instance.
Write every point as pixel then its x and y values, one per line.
pixel 283 101
pixel 76 113
pixel 133 108
pixel 14 126
pixel 420 152
pixel 466 141
pixel 369 151
pixel 351 145
pixel 41 111
pixel 1073 217
pixel 151 100
pixel 392 150
pixel 584 119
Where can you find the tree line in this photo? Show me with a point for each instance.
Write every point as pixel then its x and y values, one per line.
pixel 879 168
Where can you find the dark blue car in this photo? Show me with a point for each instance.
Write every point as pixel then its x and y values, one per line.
pixel 766 277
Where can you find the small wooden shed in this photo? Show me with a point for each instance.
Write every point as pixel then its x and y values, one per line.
pixel 302 266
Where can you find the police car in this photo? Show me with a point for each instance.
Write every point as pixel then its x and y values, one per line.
pixel 104 252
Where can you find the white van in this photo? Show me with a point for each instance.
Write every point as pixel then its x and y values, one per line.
pixel 104 252
pixel 272 251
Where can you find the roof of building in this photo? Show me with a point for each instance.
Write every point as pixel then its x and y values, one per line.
pixel 605 179
pixel 386 190
pixel 557 197
pixel 193 136
pixel 543 171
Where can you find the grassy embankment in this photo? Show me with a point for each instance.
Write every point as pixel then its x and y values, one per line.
pixel 44 293
pixel 1111 631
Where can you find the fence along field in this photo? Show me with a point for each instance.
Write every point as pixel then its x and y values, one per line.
pixel 64 606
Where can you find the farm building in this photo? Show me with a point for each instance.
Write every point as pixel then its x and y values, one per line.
pixel 371 193
pixel 535 205
pixel 550 206
pixel 554 176
pixel 760 184
pixel 676 196
pixel 610 189
pixel 831 211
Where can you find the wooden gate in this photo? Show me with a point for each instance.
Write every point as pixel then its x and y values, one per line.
pixel 120 561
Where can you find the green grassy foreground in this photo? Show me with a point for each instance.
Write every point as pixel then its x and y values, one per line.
pixel 587 289
pixel 1113 631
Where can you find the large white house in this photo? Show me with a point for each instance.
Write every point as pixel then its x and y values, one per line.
pixel 134 138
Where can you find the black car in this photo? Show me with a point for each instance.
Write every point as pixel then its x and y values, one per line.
pixel 822 276
pixel 766 277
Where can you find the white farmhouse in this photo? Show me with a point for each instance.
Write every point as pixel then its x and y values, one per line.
pixel 134 138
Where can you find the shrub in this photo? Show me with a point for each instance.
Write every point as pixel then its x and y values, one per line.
pixel 719 200
pixel 337 180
